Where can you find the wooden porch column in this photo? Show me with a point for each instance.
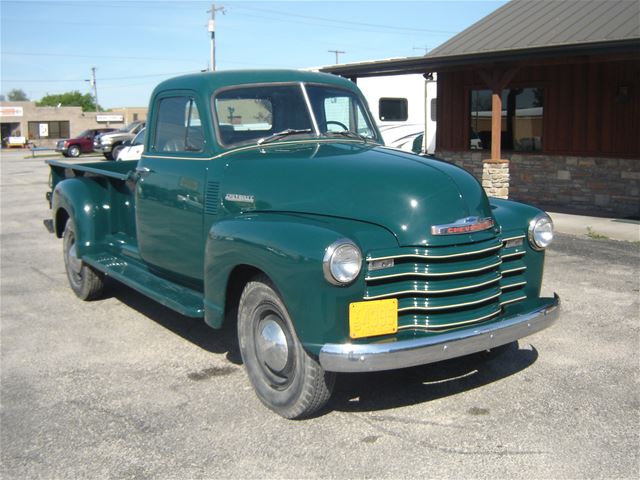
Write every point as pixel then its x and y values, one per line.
pixel 495 172
pixel 496 122
pixel 497 80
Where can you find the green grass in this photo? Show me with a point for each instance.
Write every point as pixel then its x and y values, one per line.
pixel 591 233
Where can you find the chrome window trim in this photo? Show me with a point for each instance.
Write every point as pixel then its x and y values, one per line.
pixel 314 120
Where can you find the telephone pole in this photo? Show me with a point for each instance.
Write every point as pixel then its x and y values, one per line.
pixel 92 82
pixel 337 52
pixel 212 30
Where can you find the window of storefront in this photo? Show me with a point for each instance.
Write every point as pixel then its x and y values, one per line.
pixel 522 114
pixel 49 129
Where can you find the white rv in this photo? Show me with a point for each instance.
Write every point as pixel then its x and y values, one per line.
pixel 404 107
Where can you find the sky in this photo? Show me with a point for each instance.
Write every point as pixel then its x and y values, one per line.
pixel 49 47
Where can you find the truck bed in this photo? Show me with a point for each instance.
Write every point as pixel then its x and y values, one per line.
pixel 119 170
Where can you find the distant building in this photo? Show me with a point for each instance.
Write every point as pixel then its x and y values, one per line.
pixel 553 87
pixel 44 126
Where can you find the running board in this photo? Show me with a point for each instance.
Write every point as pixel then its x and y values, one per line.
pixel 177 297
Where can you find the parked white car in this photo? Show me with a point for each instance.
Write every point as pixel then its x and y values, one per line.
pixel 134 150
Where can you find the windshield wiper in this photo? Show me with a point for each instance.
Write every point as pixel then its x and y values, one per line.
pixel 283 133
pixel 350 134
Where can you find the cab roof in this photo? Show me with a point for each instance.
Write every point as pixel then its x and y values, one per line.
pixel 208 82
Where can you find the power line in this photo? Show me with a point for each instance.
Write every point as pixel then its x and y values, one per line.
pixel 117 57
pixel 346 22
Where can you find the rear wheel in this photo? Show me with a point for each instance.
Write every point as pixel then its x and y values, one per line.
pixel 85 282
pixel 74 151
pixel 285 378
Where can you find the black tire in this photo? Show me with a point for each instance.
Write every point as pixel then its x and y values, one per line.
pixel 286 379
pixel 73 151
pixel 85 282
pixel 108 156
pixel 115 151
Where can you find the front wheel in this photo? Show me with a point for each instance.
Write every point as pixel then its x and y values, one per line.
pixel 74 151
pixel 116 151
pixel 85 282
pixel 285 378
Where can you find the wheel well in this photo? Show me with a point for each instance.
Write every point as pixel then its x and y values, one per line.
pixel 240 276
pixel 61 220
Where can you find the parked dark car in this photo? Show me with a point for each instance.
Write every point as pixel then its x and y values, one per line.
pixel 82 143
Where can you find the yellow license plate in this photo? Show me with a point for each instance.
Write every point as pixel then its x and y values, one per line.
pixel 377 317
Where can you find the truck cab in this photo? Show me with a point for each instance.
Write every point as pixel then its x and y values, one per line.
pixel 267 198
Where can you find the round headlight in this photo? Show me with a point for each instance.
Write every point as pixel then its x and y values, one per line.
pixel 541 231
pixel 342 262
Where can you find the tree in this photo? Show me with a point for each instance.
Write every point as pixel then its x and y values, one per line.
pixel 17 95
pixel 69 99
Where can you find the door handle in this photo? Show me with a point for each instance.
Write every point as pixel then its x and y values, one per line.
pixel 143 170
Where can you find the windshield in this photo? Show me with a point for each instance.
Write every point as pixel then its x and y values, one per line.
pixel 139 138
pixel 338 111
pixel 259 114
pixel 130 126
pixel 85 133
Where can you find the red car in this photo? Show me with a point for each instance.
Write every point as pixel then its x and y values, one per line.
pixel 83 143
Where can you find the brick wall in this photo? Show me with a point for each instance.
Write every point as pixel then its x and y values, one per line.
pixel 583 185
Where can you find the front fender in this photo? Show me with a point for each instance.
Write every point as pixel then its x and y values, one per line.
pixel 289 249
pixel 86 205
pixel 513 218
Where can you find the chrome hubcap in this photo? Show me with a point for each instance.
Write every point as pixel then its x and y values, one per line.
pixel 75 264
pixel 271 344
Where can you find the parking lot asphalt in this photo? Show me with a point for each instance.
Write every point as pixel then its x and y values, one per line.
pixel 123 387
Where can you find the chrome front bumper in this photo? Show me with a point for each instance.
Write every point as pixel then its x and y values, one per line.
pixel 409 353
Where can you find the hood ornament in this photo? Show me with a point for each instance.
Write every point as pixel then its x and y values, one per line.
pixel 463 225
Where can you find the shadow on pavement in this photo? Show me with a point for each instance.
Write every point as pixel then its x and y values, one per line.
pixel 397 388
pixel 356 392
pixel 192 329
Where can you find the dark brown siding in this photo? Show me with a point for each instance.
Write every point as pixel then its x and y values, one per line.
pixel 585 113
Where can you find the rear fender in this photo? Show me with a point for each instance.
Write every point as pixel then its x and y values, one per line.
pixel 85 202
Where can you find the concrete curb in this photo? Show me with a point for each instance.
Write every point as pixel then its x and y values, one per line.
pixel 595 227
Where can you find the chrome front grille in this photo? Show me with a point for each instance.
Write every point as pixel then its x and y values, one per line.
pixel 440 288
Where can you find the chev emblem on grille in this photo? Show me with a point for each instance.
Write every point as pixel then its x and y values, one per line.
pixel 464 225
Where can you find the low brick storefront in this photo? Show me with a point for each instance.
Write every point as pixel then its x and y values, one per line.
pixel 584 185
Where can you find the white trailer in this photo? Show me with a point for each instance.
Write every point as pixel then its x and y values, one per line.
pixel 404 107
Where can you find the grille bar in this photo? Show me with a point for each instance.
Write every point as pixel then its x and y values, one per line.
pixel 442 288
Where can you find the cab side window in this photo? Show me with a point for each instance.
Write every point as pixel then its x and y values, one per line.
pixel 178 126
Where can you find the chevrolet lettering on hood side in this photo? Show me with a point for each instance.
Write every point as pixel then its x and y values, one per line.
pixel 268 199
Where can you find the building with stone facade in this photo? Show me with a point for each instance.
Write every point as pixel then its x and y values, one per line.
pixel 44 126
pixel 551 90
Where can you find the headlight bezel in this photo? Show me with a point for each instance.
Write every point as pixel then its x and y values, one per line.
pixel 329 257
pixel 534 228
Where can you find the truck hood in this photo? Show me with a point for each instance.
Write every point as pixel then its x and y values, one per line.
pixel 401 192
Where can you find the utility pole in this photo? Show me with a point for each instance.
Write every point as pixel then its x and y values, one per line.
pixel 212 30
pixel 337 52
pixel 92 82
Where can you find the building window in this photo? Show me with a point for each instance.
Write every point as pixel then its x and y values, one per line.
pixel 393 109
pixel 522 113
pixel 48 129
pixel 135 117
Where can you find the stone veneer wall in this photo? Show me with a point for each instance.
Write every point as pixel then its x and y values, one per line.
pixel 583 185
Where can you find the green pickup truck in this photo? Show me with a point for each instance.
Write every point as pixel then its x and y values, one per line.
pixel 267 198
